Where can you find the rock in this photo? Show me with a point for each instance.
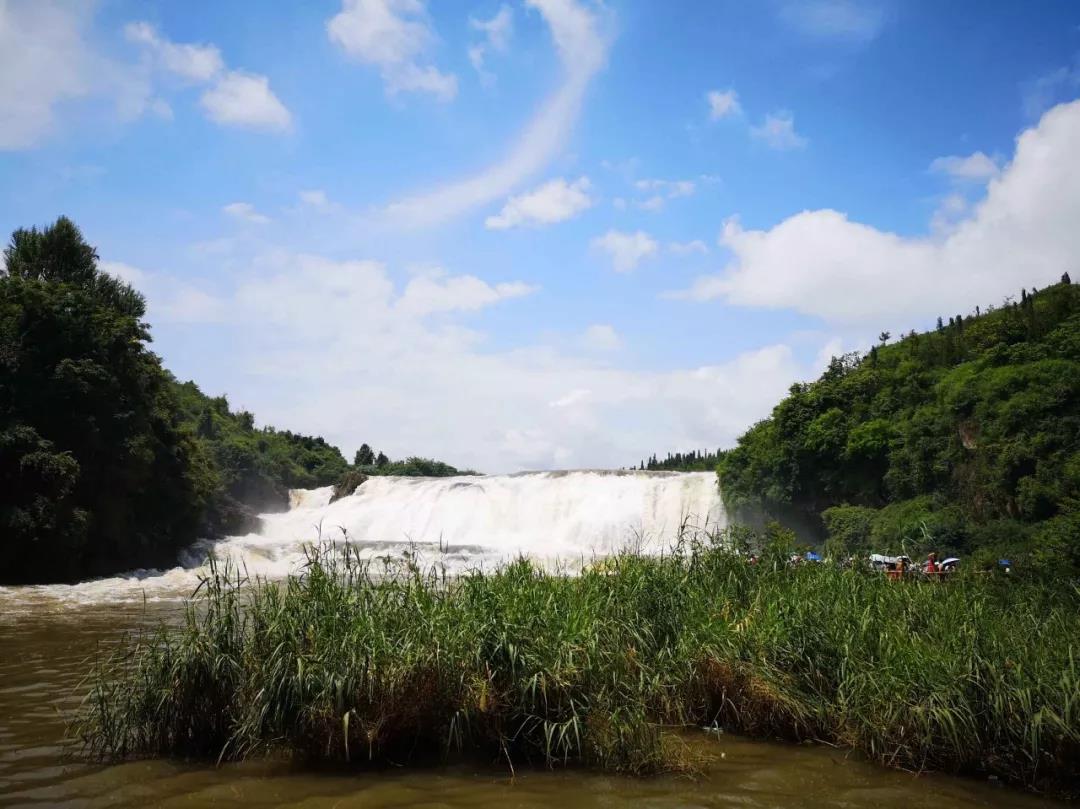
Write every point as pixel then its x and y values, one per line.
pixel 348 484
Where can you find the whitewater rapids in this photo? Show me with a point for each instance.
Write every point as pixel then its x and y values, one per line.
pixel 563 519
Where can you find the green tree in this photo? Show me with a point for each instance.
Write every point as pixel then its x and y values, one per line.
pixel 958 438
pixel 365 456
pixel 96 473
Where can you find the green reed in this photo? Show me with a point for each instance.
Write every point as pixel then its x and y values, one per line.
pixel 361 664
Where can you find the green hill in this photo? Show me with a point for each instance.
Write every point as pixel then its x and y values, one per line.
pixel 107 463
pixel 251 469
pixel 964 439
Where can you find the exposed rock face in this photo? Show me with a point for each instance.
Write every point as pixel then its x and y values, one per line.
pixel 229 517
pixel 348 484
pixel 236 511
pixel 969 435
pixel 261 494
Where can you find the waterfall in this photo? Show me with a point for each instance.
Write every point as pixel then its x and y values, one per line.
pixel 460 523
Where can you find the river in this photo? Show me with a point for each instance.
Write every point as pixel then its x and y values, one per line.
pixel 47 633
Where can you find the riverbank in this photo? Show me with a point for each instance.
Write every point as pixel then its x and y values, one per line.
pixel 347 663
pixel 45 652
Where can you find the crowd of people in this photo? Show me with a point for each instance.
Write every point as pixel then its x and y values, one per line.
pixel 895 567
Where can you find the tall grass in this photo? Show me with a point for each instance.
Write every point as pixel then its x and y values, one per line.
pixel 350 663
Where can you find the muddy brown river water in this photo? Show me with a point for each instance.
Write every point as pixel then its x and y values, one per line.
pixel 44 646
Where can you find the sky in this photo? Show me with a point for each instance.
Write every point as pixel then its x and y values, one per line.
pixel 535 234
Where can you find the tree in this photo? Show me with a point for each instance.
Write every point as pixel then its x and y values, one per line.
pixel 381 460
pixel 1065 278
pixel 884 337
pixel 972 440
pixel 365 456
pixel 59 255
pixel 95 472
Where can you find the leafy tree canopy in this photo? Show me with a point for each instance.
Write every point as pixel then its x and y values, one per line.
pixel 962 439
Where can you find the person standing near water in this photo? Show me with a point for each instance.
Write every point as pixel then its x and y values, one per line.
pixel 931 568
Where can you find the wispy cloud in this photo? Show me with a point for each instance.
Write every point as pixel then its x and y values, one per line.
pixel 851 20
pixel 626 250
pixel 778 131
pixel 554 201
pixel 245 212
pixel 722 104
pixel 978 167
pixel 582 49
pixel 497 32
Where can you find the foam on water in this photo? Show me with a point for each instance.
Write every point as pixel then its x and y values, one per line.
pixel 459 522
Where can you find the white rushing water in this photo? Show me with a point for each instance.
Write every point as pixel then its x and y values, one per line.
pixel 566 518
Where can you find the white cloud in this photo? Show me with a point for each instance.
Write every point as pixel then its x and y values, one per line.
pixel 498 29
pixel 582 50
pixel 575 397
pixel 601 337
pixel 435 292
pixel 169 300
pixel 949 213
pixel 316 198
pixel 977 167
pixel 662 191
pixel 722 104
pixel 653 203
pixel 626 250
pixel 393 35
pixel 554 201
pixel 245 99
pixel 198 63
pixel 188 304
pixel 125 272
pixel 688 248
pixel 778 131
pixel 1060 84
pixel 822 263
pixel 476 59
pixel 497 32
pixel 235 98
pixel 851 20
pixel 339 348
pixel 45 61
pixel 245 212
pixel 336 348
pixel 161 108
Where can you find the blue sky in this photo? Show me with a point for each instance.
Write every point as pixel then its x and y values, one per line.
pixel 543 233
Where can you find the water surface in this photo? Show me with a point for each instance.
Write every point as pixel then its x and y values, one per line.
pixel 43 649
pixel 48 632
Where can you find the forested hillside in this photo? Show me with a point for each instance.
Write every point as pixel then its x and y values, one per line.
pixel 96 470
pixel 107 463
pixel 252 468
pixel 963 439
